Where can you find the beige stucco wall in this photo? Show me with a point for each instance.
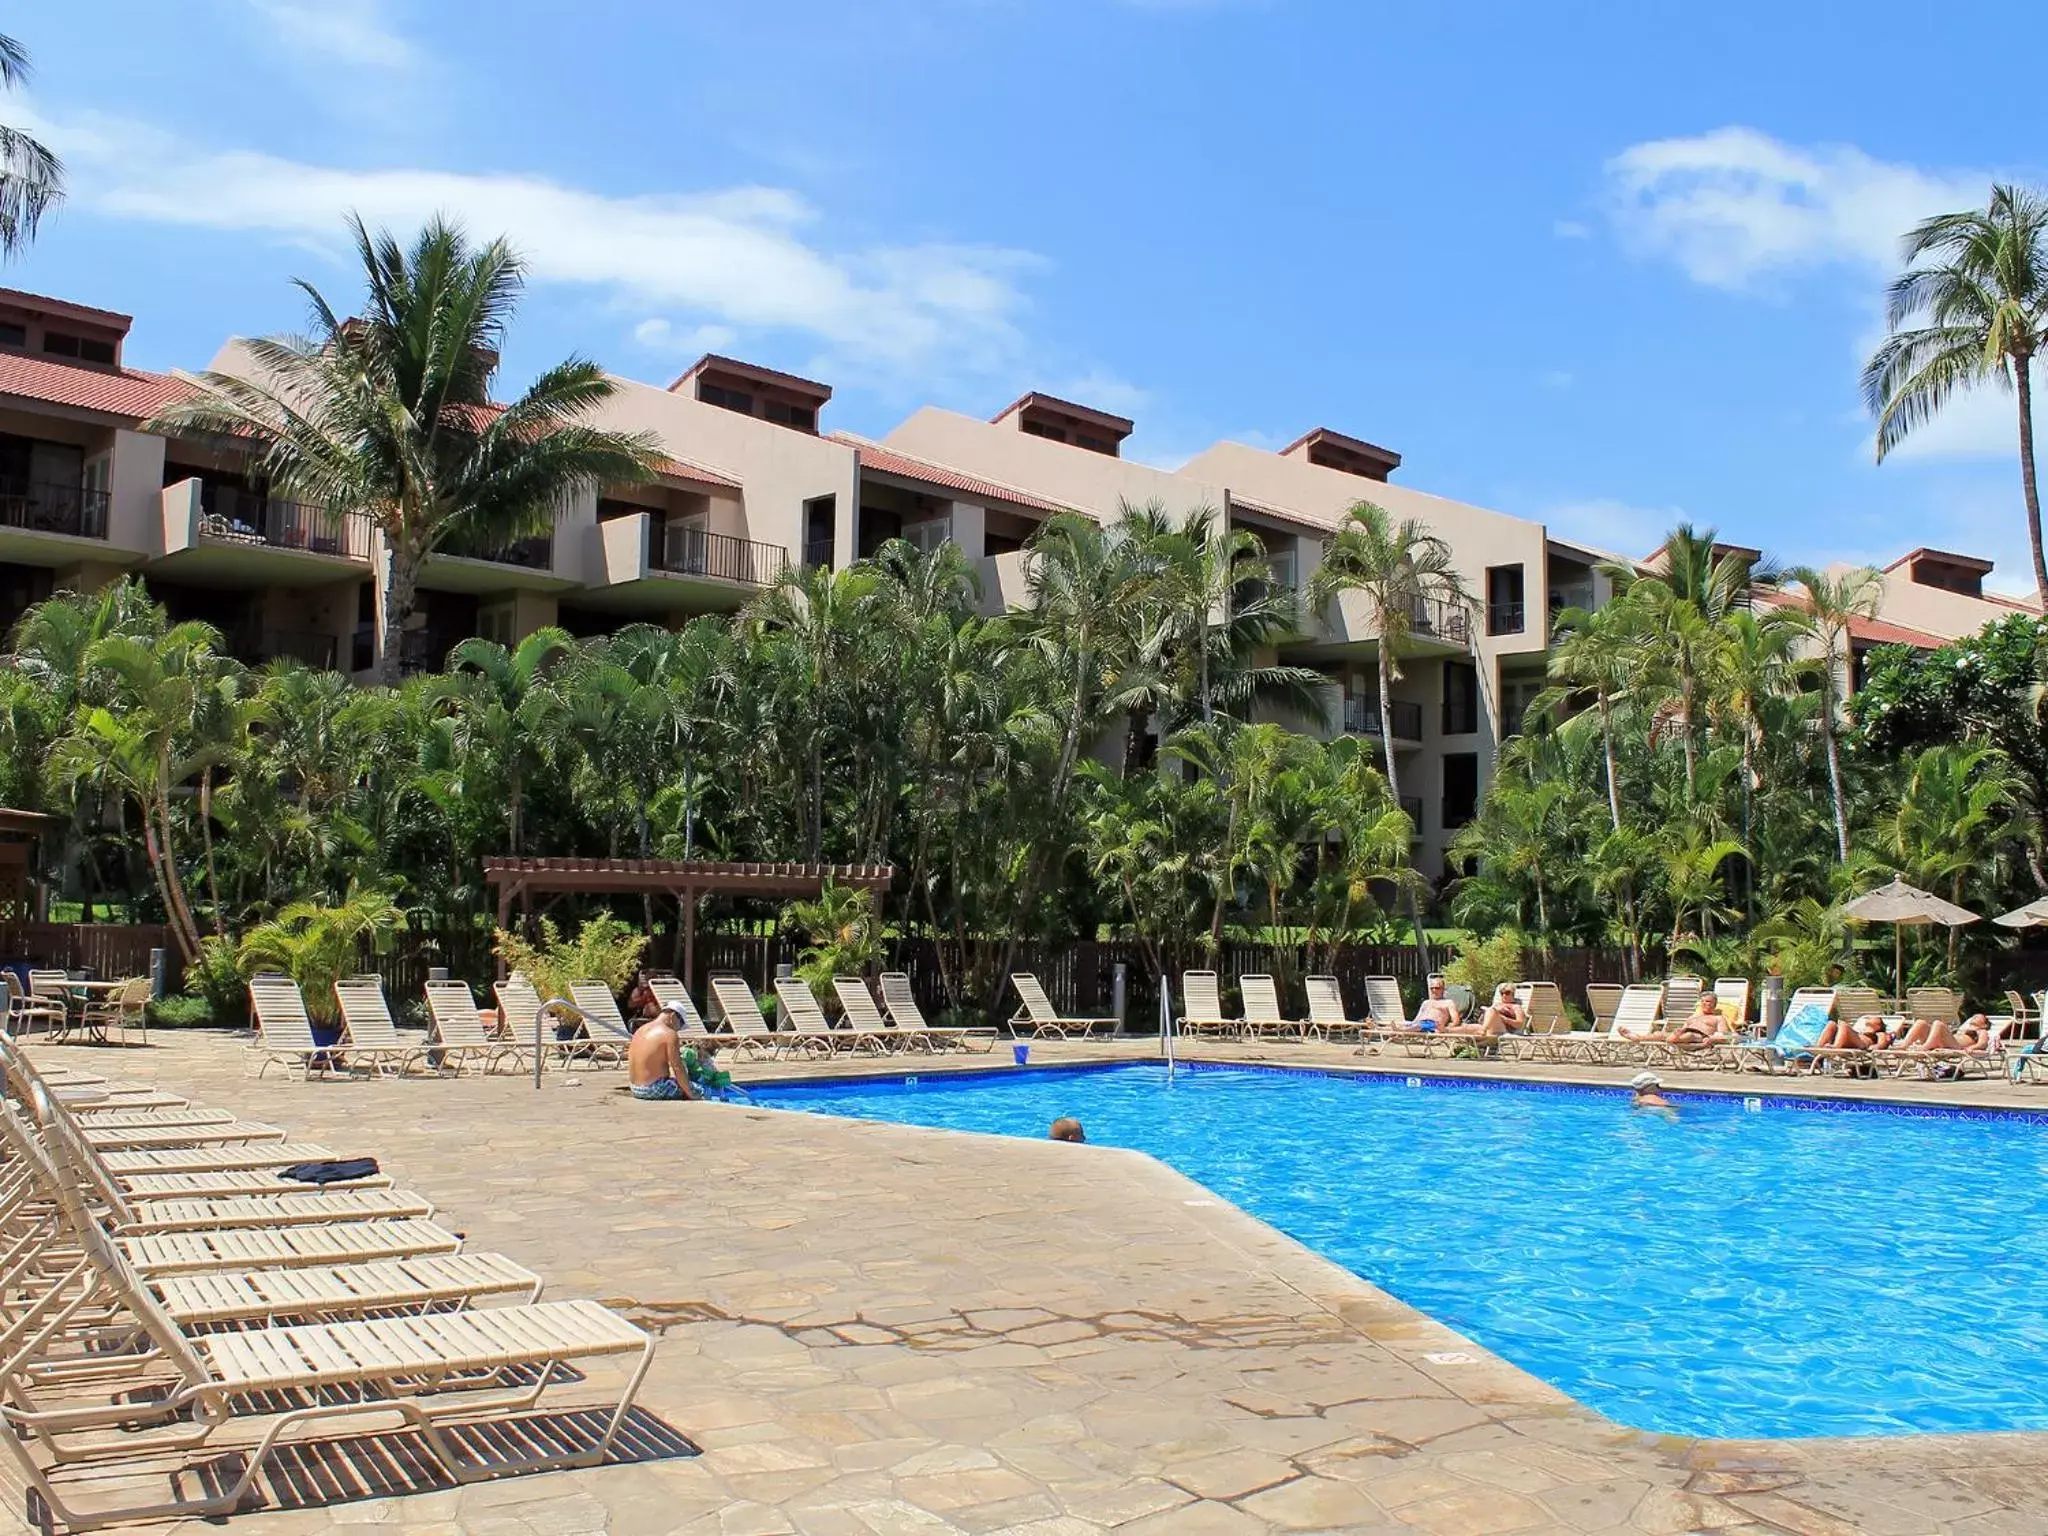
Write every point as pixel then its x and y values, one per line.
pixel 1950 615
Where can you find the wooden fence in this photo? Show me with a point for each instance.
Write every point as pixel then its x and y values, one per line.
pixel 108 950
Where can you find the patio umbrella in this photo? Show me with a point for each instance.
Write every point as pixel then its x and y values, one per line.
pixel 1905 906
pixel 2033 915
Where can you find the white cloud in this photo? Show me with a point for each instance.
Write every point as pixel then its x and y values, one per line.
pixel 1615 526
pixel 1571 229
pixel 748 258
pixel 1735 204
pixel 1557 378
pixel 353 32
pixel 657 334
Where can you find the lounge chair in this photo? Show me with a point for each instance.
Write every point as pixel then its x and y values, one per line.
pixel 1732 993
pixel 1681 998
pixel 1602 998
pixel 1806 1019
pixel 740 1009
pixel 1942 1004
pixel 1264 1018
pixel 1544 1005
pixel 669 990
pixel 1388 1021
pixel 1327 1019
pixel 900 1002
pixel 368 1032
pixel 1641 1008
pixel 1860 1002
pixel 1202 1008
pixel 171 1391
pixel 283 1032
pixel 857 1007
pixel 807 1019
pixel 1046 1021
pixel 459 1038
pixel 606 1033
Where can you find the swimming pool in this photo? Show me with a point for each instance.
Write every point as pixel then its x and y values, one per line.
pixel 1780 1270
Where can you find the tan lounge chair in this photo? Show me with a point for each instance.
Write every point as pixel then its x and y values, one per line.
pixel 1942 1004
pixel 740 1009
pixel 1681 998
pixel 1327 1019
pixel 1389 1021
pixel 459 1037
pixel 1264 1018
pixel 283 1032
pixel 1046 1021
pixel 1858 1002
pixel 1201 1012
pixel 1602 998
pixel 807 1019
pixel 606 1033
pixel 900 1002
pixel 367 1030
pixel 1732 993
pixel 857 1008
pixel 669 991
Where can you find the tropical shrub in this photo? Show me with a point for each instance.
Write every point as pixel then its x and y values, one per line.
pixel 605 949
pixel 1483 964
pixel 318 945
pixel 844 937
pixel 179 1011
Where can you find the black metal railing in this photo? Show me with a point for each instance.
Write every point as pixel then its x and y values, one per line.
pixel 1434 619
pixel 696 552
pixel 817 553
pixel 1412 804
pixel 424 650
pixel 535 554
pixel 1504 618
pixel 1458 812
pixel 1362 718
pixel 231 516
pixel 256 646
pixel 42 507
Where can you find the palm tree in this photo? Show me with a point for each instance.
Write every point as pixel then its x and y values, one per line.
pixel 1591 653
pixel 1400 570
pixel 318 945
pixel 31 177
pixel 1833 604
pixel 1983 293
pixel 391 415
pixel 504 705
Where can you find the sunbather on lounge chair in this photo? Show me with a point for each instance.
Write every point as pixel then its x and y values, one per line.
pixel 1972 1036
pixel 1705 1025
pixel 1505 1015
pixel 1866 1033
pixel 654 1061
pixel 1437 1012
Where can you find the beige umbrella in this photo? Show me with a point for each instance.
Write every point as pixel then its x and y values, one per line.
pixel 2033 915
pixel 1905 906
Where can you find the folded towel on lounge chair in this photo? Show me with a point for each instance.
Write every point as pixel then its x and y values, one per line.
pixel 338 1170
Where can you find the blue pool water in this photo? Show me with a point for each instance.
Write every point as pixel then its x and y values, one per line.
pixel 1779 1271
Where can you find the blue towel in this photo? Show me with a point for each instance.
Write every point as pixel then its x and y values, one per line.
pixel 1801 1030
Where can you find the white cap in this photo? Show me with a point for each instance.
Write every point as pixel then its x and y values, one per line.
pixel 1644 1081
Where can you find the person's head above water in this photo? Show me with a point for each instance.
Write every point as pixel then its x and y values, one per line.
pixel 1067 1128
pixel 1645 1086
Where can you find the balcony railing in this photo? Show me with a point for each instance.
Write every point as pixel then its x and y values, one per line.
pixel 1362 718
pixel 1412 804
pixel 1434 619
pixel 256 646
pixel 42 507
pixel 424 650
pixel 817 554
pixel 697 552
pixel 236 517
pixel 1570 594
pixel 1504 618
pixel 535 554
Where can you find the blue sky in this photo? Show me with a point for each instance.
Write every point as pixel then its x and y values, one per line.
pixel 1606 265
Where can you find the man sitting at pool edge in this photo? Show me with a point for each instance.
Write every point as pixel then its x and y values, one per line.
pixel 654 1060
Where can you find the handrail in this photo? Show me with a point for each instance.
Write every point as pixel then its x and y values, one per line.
pixel 49 507
pixel 686 551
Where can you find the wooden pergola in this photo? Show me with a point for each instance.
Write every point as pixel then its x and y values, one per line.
pixel 521 880
pixel 18 833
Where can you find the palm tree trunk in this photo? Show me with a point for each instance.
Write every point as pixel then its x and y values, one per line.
pixel 2029 484
pixel 1386 672
pixel 1827 736
pixel 398 574
pixel 1607 746
pixel 206 837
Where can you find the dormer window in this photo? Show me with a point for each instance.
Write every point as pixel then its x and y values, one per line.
pixel 13 334
pixel 731 399
pixel 766 394
pixel 85 348
pixel 1063 421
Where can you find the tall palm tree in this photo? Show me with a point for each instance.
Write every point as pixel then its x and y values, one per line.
pixel 504 707
pixel 390 414
pixel 31 177
pixel 1591 654
pixel 1979 281
pixel 1833 604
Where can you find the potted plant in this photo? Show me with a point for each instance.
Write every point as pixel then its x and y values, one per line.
pixel 317 946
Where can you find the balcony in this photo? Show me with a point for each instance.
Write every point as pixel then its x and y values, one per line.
pixel 1504 618
pixel 685 551
pixel 231 516
pixel 1412 804
pixel 1434 619
pixel 40 507
pixel 424 650
pixel 253 647
pixel 1362 718
pixel 817 554
pixel 535 554
pixel 1458 813
pixel 1571 594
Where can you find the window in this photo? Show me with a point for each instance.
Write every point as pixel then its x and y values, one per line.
pixel 13 334
pixel 1461 788
pixel 732 399
pixel 1504 609
pixel 930 534
pixel 801 417
pixel 821 529
pixel 1461 698
pixel 64 344
pixel 1040 429
pixel 1094 444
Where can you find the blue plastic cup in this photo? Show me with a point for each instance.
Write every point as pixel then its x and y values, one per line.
pixel 1022 1053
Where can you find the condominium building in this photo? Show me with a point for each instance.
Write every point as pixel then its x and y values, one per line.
pixel 751 482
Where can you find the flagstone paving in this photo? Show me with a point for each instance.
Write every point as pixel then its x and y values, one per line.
pixel 880 1329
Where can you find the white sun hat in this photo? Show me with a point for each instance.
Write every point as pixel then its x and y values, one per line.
pixel 1643 1081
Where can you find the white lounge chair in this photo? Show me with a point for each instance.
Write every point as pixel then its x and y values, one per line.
pixel 1327 1019
pixel 741 1011
pixel 283 1032
pixel 1264 1018
pixel 900 1002
pixel 370 1034
pixel 807 1021
pixel 1046 1021
pixel 1201 1008
pixel 606 1033
pixel 459 1036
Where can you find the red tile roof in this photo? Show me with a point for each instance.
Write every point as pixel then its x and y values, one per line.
pixel 683 469
pixel 887 461
pixel 1884 632
pixel 115 391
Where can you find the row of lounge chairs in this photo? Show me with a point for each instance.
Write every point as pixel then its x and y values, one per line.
pixel 165 1290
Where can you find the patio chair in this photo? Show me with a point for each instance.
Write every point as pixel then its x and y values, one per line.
pixel 458 1036
pixel 1264 1018
pixel 1046 1021
pixel 741 1011
pixel 1202 1013
pixel 1732 993
pixel 283 1032
pixel 606 1033
pixel 282 1378
pixel 807 1020
pixel 52 988
pixel 900 1003
pixel 1942 1004
pixel 368 1031
pixel 1327 1019
pixel 2026 1016
pixel 1681 998
pixel 23 1011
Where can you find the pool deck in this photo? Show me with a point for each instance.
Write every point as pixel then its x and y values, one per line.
pixel 872 1328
